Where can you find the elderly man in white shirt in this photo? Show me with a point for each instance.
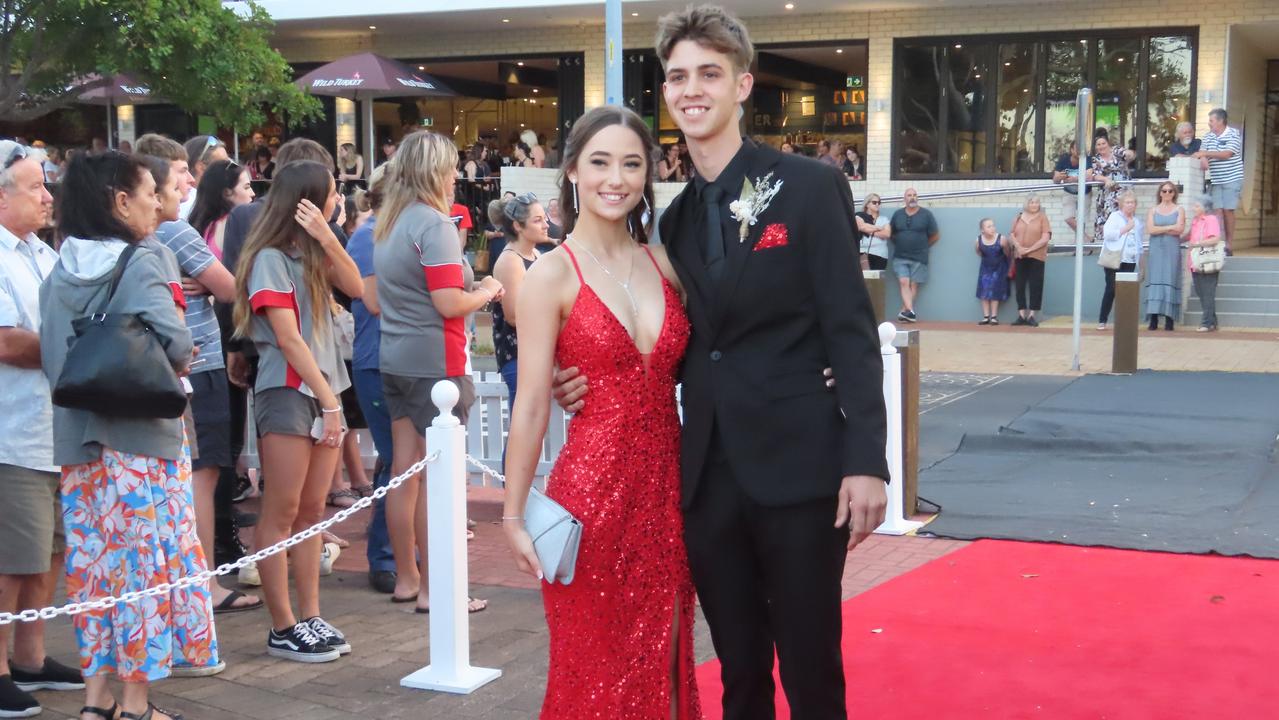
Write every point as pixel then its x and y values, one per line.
pixel 31 524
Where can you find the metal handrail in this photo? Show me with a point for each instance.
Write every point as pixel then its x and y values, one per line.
pixel 1012 190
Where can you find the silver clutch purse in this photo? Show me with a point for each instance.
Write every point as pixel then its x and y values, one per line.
pixel 556 536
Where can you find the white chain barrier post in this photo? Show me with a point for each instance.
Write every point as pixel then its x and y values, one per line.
pixel 895 522
pixel 450 669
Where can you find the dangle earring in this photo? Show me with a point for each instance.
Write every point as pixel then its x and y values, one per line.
pixel 575 207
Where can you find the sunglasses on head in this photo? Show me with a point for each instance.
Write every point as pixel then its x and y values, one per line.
pixel 18 153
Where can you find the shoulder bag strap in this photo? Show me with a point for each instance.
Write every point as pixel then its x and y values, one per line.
pixel 116 275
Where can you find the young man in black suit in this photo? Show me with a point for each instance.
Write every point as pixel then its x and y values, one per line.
pixel 781 477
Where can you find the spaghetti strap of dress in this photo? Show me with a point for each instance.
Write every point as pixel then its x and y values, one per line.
pixel 649 253
pixel 573 258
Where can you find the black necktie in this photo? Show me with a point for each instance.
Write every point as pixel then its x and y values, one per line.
pixel 712 194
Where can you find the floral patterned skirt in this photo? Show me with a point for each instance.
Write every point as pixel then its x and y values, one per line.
pixel 130 524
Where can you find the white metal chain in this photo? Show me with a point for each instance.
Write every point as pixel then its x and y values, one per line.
pixel 49 613
pixel 486 469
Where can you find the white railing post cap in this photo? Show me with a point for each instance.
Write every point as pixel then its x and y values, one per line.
pixel 887 333
pixel 445 396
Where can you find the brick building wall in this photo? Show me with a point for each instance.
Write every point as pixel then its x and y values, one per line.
pixel 880 28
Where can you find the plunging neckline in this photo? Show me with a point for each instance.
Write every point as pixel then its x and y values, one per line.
pixel 666 302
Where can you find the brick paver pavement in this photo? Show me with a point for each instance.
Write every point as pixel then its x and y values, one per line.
pixel 390 641
pixel 1047 350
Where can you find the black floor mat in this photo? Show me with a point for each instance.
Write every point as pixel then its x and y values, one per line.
pixel 1178 462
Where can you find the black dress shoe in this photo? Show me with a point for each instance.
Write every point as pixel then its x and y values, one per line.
pixel 382 581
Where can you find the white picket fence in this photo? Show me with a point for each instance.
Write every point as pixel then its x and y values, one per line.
pixel 486 430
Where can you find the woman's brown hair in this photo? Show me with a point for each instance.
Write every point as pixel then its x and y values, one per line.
pixel 277 227
pixel 583 130
pixel 1176 191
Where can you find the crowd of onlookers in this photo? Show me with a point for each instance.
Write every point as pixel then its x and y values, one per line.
pixel 298 315
pixel 292 318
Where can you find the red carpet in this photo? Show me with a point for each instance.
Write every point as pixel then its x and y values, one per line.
pixel 1028 630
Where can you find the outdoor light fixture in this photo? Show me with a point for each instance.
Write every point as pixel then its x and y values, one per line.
pixel 839 51
pixel 506 20
pixel 535 90
pixel 373 27
pixel 789 6
pixel 421 67
pixel 520 63
pixel 634 14
pixel 958 46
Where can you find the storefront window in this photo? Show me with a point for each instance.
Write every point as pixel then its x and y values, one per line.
pixel 1142 81
pixel 967 108
pixel 1067 71
pixel 918 109
pixel 1167 96
pixel 1118 88
pixel 1018 109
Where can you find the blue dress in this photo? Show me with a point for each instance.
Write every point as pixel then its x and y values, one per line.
pixel 992 277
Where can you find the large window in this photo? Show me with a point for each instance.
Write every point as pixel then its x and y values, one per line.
pixel 804 93
pixel 1004 106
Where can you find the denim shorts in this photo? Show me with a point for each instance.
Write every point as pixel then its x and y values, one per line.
pixel 1225 195
pixel 913 270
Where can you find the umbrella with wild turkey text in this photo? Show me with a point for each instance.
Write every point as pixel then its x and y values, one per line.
pixel 366 77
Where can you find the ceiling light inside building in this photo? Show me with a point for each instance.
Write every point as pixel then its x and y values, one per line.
pixel 520 63
pixel 839 51
pixel 536 90
pixel 789 6
pixel 421 67
pixel 958 46
pixel 373 27
pixel 506 20
pixel 634 14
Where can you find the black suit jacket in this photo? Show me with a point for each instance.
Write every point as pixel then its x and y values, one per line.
pixel 763 334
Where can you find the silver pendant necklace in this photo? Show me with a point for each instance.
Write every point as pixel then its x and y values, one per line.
pixel 626 286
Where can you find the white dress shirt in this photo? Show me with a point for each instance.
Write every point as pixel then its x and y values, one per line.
pixel 26 408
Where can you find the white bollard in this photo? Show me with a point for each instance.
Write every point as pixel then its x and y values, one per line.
pixel 450 669
pixel 895 522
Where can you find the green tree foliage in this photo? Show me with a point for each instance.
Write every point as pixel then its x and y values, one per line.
pixel 205 57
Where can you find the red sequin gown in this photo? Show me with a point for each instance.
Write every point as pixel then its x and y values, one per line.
pixel 611 629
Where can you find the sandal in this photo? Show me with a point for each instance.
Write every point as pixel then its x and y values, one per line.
pixel 473 605
pixel 363 490
pixel 331 538
pixel 343 498
pixel 149 714
pixel 104 714
pixel 228 604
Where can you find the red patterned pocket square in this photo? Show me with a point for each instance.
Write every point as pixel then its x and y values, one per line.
pixel 774 237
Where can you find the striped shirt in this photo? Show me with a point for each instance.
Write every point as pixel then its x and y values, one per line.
pixel 194 257
pixel 1229 170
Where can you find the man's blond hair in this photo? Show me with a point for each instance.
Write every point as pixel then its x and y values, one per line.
pixel 711 27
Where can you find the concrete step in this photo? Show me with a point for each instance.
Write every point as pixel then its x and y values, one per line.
pixel 1254 263
pixel 1253 306
pixel 1239 320
pixel 1250 276
pixel 1247 291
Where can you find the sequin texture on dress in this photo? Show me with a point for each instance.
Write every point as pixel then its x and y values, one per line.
pixel 611 629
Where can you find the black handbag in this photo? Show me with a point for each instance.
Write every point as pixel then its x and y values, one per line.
pixel 115 365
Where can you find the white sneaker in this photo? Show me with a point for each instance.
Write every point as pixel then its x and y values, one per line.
pixel 328 555
pixel 249 575
pixel 182 670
